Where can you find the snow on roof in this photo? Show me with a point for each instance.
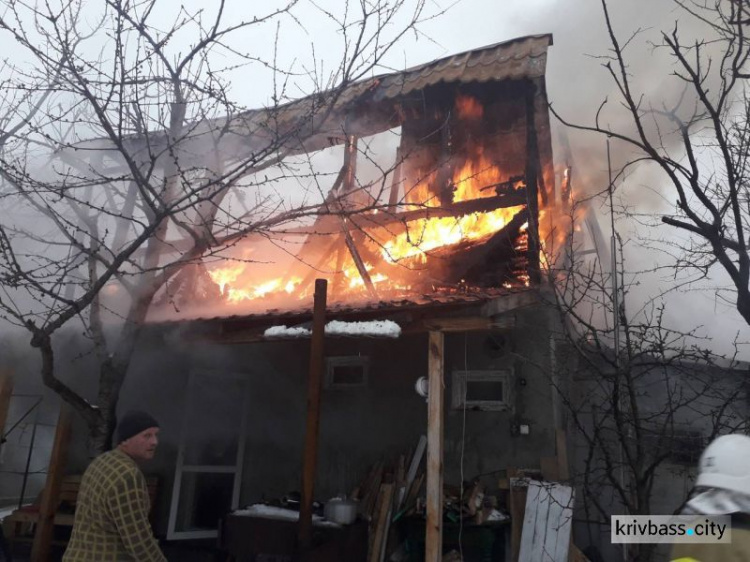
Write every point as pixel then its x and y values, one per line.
pixel 284 332
pixel 382 328
pixel 373 328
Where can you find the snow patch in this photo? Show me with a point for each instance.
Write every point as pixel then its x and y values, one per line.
pixel 382 328
pixel 374 328
pixel 284 332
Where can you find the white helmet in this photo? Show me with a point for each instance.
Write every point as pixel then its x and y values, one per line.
pixel 725 464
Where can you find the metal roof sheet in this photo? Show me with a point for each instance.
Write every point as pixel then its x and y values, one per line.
pixel 525 57
pixel 437 300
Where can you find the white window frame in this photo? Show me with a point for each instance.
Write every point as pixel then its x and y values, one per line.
pixel 347 361
pixel 182 468
pixel 459 383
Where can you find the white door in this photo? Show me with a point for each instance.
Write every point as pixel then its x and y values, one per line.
pixel 209 461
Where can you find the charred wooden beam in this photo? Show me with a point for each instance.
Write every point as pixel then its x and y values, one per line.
pixel 396 182
pixel 360 264
pixel 532 179
pixel 484 205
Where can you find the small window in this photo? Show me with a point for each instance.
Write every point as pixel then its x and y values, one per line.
pixel 481 390
pixel 347 372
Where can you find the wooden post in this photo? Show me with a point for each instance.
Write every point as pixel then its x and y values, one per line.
pixel 532 183
pixel 434 526
pixel 6 390
pixel 393 198
pixel 51 493
pixel 309 461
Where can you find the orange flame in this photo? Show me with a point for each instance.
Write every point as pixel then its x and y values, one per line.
pixel 473 180
pixel 468 107
pixel 227 275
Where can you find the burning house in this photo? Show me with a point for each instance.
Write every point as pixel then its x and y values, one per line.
pixel 445 243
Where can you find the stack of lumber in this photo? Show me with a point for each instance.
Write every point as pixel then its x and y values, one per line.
pixel 387 493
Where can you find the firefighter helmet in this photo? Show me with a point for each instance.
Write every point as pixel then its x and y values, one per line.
pixel 725 464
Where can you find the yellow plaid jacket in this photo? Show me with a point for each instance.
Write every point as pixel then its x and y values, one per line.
pixel 111 522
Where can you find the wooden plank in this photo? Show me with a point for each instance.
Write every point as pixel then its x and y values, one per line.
pixel 360 264
pixel 458 209
pixel 416 460
pixel 393 197
pixel 6 391
pixel 561 443
pixel 434 524
pixel 385 501
pixel 315 382
pixel 547 523
pixel 50 495
pixel 413 491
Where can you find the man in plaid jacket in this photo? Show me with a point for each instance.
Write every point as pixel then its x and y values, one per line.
pixel 111 522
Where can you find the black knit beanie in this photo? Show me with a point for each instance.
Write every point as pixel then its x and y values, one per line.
pixel 132 423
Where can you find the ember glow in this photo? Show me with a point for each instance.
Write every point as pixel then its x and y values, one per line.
pixel 468 108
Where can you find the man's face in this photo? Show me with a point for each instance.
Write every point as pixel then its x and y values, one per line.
pixel 142 446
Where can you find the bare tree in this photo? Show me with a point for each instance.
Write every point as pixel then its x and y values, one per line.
pixel 699 140
pixel 642 397
pixel 121 136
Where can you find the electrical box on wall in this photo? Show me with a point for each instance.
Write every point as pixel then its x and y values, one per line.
pixel 482 390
